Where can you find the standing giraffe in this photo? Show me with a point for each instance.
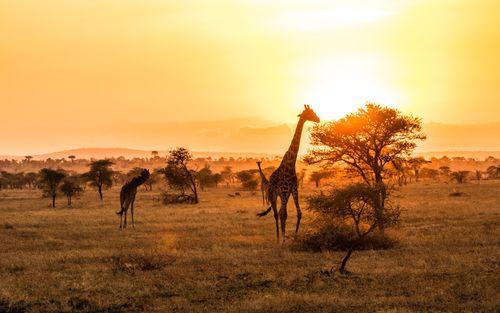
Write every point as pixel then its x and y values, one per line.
pixel 283 180
pixel 264 185
pixel 127 196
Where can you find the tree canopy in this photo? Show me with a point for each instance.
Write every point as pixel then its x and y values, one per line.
pixel 366 141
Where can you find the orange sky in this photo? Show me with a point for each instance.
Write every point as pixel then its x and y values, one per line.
pixel 68 68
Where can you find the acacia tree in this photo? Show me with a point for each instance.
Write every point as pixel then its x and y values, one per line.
pixel 248 179
pixel 227 175
pixel 177 173
pixel 50 180
pixel 460 176
pixel 317 176
pixel 366 142
pixel 70 188
pixel 205 177
pixel 100 175
pixel 352 211
pixel 416 165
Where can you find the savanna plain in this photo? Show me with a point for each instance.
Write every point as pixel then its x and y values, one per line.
pixel 218 256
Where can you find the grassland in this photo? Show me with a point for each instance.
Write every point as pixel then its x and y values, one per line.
pixel 217 256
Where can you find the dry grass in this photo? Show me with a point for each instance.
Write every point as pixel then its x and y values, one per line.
pixel 217 256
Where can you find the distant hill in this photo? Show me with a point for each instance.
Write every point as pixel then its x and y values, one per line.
pixel 243 137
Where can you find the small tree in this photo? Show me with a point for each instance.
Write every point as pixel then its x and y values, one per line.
pixel 493 172
pixel 351 213
pixel 460 176
pixel 301 176
pixel 416 164
pixel 366 142
pixel 178 175
pixel 227 175
pixel 205 177
pixel 50 180
pixel 445 171
pixel 478 176
pixel 72 158
pixel 30 179
pixel 317 176
pixel 248 179
pixel 70 188
pixel 100 175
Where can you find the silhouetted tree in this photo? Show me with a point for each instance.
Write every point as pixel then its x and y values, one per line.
pixel 30 179
pixel 460 176
pixel 204 177
pixel 317 176
pixel 100 175
pixel 217 179
pixel 301 176
pixel 177 174
pixel 478 176
pixel 227 175
pixel 429 173
pixel 50 180
pixel 248 179
pixel 493 172
pixel 351 213
pixel 445 171
pixel 366 141
pixel 70 188
pixel 72 158
pixel 416 164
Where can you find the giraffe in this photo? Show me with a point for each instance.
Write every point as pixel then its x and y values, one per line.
pixel 127 197
pixel 283 180
pixel 264 185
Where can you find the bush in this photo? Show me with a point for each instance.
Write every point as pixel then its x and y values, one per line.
pixel 346 218
pixel 339 237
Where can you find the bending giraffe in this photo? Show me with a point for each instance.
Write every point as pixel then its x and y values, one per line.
pixel 283 180
pixel 264 185
pixel 127 197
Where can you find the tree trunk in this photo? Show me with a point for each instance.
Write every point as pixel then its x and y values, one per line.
pixel 345 259
pixel 54 201
pixel 100 191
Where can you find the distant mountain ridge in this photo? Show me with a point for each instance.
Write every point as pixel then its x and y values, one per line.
pixel 241 136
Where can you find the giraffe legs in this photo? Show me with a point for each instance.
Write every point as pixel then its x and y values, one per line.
pixel 275 211
pixel 132 212
pixel 283 214
pixel 125 219
pixel 295 194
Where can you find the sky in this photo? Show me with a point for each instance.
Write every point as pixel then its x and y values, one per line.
pixel 77 73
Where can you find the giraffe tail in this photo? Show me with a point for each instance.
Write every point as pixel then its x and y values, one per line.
pixel 264 213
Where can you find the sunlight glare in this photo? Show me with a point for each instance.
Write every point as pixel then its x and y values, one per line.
pixel 339 86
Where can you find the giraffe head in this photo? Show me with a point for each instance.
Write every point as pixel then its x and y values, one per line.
pixel 309 115
pixel 145 174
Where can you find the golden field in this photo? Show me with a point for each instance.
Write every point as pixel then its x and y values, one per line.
pixel 218 256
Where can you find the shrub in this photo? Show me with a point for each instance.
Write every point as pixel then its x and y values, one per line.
pixel 345 219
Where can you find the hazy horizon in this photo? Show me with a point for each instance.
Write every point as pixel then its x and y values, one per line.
pixel 241 135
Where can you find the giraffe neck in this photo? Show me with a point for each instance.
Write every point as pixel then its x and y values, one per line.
pixel 262 176
pixel 291 155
